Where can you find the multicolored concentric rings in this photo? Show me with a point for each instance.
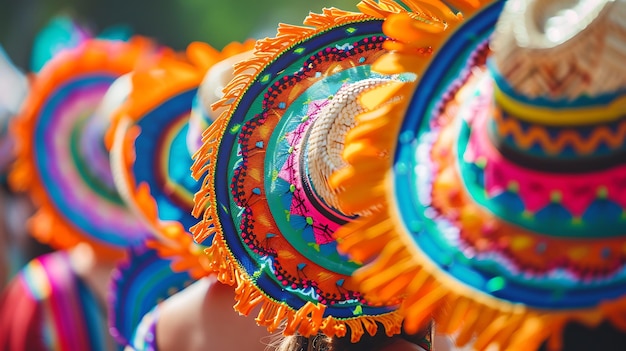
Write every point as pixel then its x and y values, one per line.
pixel 237 217
pixel 66 164
pixel 61 157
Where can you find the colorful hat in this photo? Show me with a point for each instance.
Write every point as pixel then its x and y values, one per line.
pixel 211 90
pixel 265 199
pixel 13 91
pixel 502 209
pixel 139 283
pixel 61 158
pixel 151 157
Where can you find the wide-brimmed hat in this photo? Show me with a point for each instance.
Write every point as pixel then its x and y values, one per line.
pixel 139 282
pixel 502 208
pixel 266 208
pixel 61 158
pixel 151 154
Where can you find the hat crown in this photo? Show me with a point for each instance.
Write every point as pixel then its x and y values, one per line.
pixel 325 142
pixel 562 49
pixel 559 84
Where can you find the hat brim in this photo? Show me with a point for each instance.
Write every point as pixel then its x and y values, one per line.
pixel 260 244
pixel 151 161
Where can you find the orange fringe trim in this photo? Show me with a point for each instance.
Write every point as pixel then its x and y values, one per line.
pixel 48 225
pixel 395 266
pixel 307 320
pixel 265 51
pixel 416 34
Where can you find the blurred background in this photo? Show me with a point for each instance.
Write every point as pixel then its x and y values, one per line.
pixel 174 23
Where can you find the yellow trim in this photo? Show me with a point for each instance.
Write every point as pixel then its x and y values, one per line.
pixel 583 145
pixel 561 117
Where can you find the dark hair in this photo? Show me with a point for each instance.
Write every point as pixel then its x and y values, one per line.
pixel 368 342
pixel 578 337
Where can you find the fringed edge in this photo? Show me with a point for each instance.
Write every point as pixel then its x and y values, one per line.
pixel 274 315
pixel 432 13
pixel 48 225
pixel 482 320
pixel 416 34
pixel 245 72
pixel 394 266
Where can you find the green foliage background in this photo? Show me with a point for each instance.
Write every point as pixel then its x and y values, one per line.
pixel 175 23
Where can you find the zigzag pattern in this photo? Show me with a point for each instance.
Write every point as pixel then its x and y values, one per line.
pixel 537 135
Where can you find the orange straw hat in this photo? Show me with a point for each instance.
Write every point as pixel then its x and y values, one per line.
pixel 501 210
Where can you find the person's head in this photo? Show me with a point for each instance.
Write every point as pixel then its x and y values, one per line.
pixel 380 341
